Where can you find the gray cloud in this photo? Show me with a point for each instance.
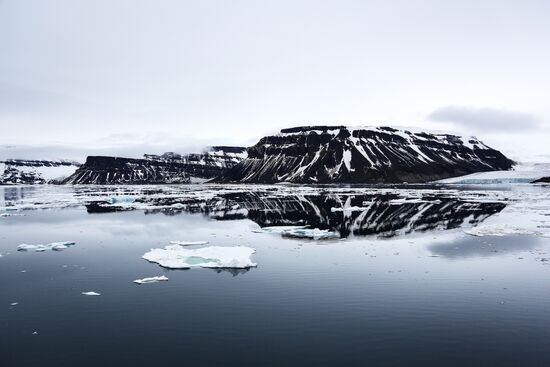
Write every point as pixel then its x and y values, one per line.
pixel 485 119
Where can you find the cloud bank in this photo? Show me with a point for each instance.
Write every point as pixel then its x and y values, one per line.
pixel 485 119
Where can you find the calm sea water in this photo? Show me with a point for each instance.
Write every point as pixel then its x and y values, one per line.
pixel 432 298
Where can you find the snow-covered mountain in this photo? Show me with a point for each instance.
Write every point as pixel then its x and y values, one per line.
pixel 157 169
pixel 340 154
pixel 32 172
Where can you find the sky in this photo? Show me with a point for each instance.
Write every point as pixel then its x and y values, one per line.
pixel 127 77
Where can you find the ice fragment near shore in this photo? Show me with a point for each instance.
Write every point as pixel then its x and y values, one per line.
pixel 54 246
pixel 189 243
pixel 122 199
pixel 302 232
pixel 150 280
pixel 499 230
pixel 311 233
pixel 177 257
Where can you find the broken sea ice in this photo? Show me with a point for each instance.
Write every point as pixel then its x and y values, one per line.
pixel 151 280
pixel 499 230
pixel 91 293
pixel 178 257
pixel 54 246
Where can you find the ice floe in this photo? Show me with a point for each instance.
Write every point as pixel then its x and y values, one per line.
pixel 189 243
pixel 54 246
pixel 301 232
pixel 499 230
pixel 91 293
pixel 151 280
pixel 178 257
pixel 311 233
pixel 122 199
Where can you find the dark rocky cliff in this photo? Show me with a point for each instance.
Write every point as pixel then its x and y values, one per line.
pixel 339 154
pixel 169 168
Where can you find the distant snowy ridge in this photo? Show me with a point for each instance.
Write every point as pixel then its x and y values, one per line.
pixel 340 154
pixel 32 172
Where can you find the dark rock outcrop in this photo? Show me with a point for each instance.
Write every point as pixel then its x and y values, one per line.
pixel 101 170
pixel 339 154
pixel 542 180
pixel 169 168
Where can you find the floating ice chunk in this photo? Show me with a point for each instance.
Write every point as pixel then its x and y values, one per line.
pixel 301 232
pixel 122 199
pixel 278 229
pixel 349 209
pixel 499 230
pixel 189 243
pixel 5 215
pixel 311 233
pixel 91 293
pixel 54 246
pixel 14 303
pixel 151 280
pixel 177 257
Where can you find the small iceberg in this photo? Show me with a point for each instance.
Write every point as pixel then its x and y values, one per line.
pixel 311 233
pixel 301 232
pixel 189 243
pixel 91 293
pixel 151 280
pixel 349 209
pixel 178 257
pixel 54 246
pixel 499 230
pixel 122 199
pixel 278 229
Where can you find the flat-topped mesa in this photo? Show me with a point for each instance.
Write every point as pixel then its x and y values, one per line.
pixel 168 168
pixel 340 154
pixel 101 170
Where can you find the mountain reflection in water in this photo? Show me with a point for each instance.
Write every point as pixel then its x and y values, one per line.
pixel 381 214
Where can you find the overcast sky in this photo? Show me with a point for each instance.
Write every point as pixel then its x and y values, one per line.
pixel 128 77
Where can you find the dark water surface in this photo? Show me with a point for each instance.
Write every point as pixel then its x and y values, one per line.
pixel 433 298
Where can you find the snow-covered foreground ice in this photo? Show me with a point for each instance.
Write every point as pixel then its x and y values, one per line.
pixel 54 246
pixel 178 257
pixel 151 280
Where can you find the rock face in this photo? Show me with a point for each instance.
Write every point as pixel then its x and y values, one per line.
pixel 32 172
pixel 169 168
pixel 339 154
pixel 542 180
pixel 206 165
